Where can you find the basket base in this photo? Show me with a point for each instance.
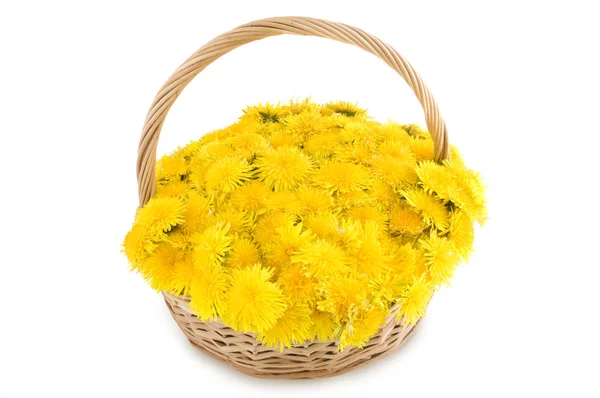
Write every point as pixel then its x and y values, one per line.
pixel 308 361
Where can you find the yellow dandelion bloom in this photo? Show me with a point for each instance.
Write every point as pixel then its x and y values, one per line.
pixel 393 132
pixel 294 327
pixel 288 240
pixel 346 108
pixel 243 253
pixel 236 219
pixel 296 106
pixel 248 145
pixel 442 258
pixel 171 188
pixel 307 123
pixel 211 246
pixel 198 210
pixel 354 152
pixel 368 258
pixel 207 155
pixel 348 233
pixel 324 327
pixel 161 214
pixel 179 237
pixel 254 304
pixel 365 324
pixel 284 168
pixel 322 145
pixel 468 192
pixel 214 136
pixel 399 150
pixel 435 178
pixel 342 296
pixel 171 167
pixel 268 113
pixel 284 201
pixel 321 258
pixel 414 300
pixel 279 138
pixel 158 269
pixel 462 233
pixel 432 210
pixel 383 195
pixel 394 171
pixel 268 223
pixel 209 293
pixel 312 200
pixel 358 131
pixel 342 177
pixel 404 219
pixel 324 224
pixel 385 287
pixel 367 213
pixel 351 199
pixel 138 245
pixel 227 174
pixel 181 278
pixel 422 148
pixel 298 287
pixel 404 261
pixel 252 196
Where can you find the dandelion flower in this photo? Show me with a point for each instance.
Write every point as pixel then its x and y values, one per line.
pixel 236 219
pixel 385 287
pixel 404 260
pixel 346 108
pixel 321 258
pixel 404 219
pixel 414 300
pixel 393 170
pixel 161 214
pixel 324 224
pixel 172 188
pixel 294 327
pixel 268 113
pixel 227 174
pixel 343 296
pixel 367 213
pixel 209 293
pixel 422 148
pixel 462 233
pixel 432 210
pixel 284 168
pixel 254 304
pixel 297 287
pixel 354 152
pixel 288 240
pixel 383 194
pixel 252 196
pixel 363 326
pixel 399 150
pixel 368 257
pixel 268 223
pixel 321 146
pixel 393 132
pixel 181 278
pixel 171 167
pixel 435 178
pixel 243 253
pixel 342 177
pixel 442 258
pixel 138 245
pixel 198 210
pixel 306 124
pixel 284 201
pixel 312 200
pixel 324 327
pixel 248 145
pixel 159 267
pixel 211 246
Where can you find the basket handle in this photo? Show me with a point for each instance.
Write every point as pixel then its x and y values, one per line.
pixel 221 45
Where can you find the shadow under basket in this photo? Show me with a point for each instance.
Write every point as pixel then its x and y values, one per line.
pixel 317 359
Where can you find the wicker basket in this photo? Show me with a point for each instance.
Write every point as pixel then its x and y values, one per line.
pixel 242 351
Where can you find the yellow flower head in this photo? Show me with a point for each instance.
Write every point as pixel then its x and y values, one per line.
pixel 364 325
pixel 243 253
pixel 462 233
pixel 161 214
pixel 324 327
pixel 254 304
pixel 227 174
pixel 159 268
pixel 414 300
pixel 294 327
pixel 442 258
pixel 138 245
pixel 252 196
pixel 404 219
pixel 312 199
pixel 297 287
pixel 342 296
pixel 209 293
pixel 211 246
pixel 431 209
pixel 284 168
pixel 267 224
pixel 343 177
pixel 321 258
pixel 289 239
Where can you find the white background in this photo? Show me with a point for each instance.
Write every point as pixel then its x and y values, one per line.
pixel 517 82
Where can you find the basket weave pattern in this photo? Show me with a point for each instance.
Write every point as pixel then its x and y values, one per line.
pixel 241 350
pixel 311 360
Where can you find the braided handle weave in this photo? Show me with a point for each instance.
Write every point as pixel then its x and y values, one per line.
pixel 261 29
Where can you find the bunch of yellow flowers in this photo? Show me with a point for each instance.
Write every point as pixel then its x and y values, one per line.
pixel 305 221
